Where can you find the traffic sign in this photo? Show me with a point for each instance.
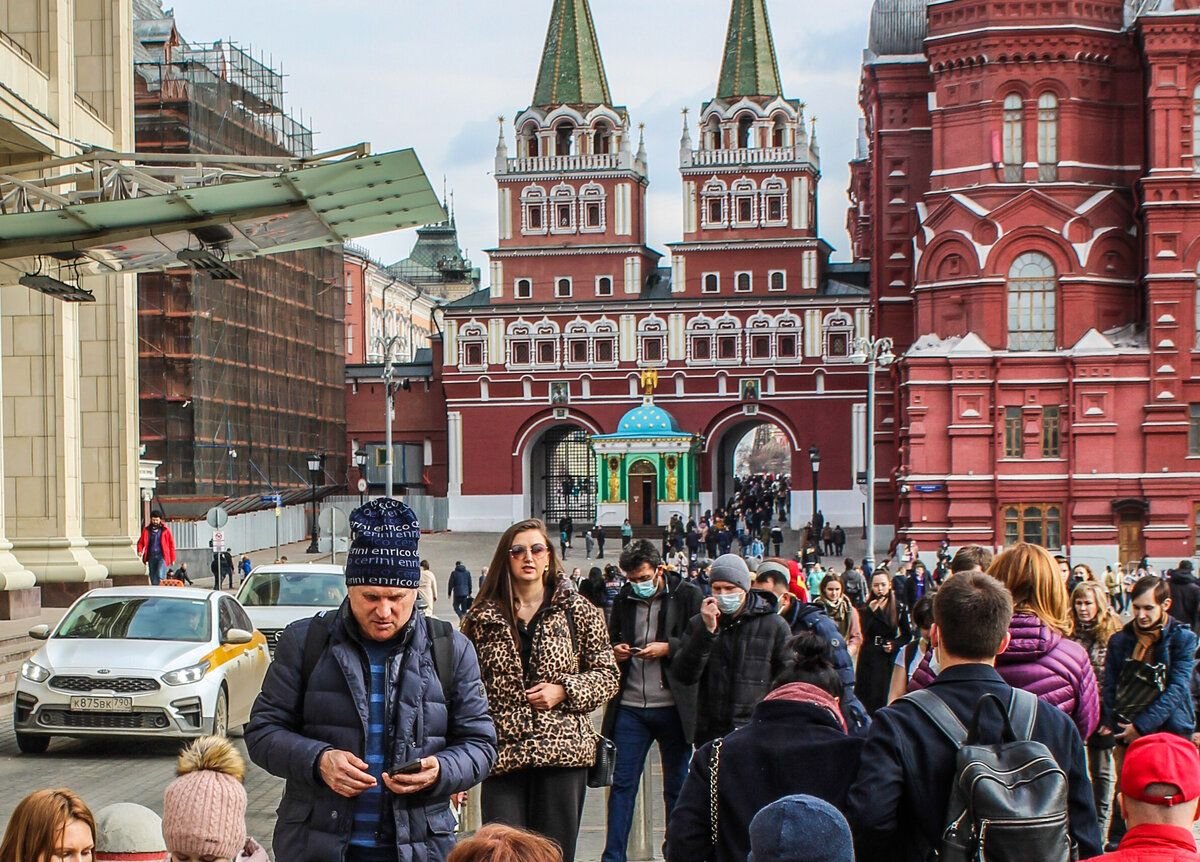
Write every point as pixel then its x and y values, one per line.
pixel 271 499
pixel 362 486
pixel 217 517
pixel 218 541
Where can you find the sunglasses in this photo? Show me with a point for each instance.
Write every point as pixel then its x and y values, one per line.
pixel 518 551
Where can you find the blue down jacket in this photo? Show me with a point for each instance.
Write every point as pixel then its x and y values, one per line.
pixel 292 724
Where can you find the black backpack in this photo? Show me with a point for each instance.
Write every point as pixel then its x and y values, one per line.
pixel 441 642
pixel 1009 800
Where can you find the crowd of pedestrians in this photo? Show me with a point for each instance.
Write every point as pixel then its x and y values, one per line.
pixel 845 716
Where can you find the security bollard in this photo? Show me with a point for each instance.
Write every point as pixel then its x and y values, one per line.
pixel 641 837
pixel 470 818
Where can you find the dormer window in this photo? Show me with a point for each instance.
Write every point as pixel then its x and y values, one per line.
pixel 564 138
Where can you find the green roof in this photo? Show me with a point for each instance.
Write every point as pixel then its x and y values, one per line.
pixel 749 67
pixel 572 71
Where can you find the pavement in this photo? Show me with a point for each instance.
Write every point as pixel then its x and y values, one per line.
pixel 105 771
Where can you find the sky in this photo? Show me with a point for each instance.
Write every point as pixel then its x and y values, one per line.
pixel 436 75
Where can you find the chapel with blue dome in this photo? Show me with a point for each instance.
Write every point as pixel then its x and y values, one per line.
pixel 647 468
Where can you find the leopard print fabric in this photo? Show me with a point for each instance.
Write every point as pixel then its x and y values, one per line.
pixel 563 736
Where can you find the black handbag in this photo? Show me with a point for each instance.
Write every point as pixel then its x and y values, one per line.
pixel 601 772
pixel 1137 687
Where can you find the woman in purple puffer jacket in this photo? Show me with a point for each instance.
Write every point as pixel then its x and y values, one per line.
pixel 1040 657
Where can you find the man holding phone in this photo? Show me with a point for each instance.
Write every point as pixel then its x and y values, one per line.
pixel 410 681
pixel 649 618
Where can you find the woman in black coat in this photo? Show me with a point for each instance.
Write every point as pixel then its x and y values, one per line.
pixel 796 742
pixel 885 631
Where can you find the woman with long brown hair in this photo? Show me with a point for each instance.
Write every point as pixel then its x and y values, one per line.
pixel 1041 658
pixel 50 826
pixel 1095 623
pixel 837 607
pixel 885 630
pixel 546 663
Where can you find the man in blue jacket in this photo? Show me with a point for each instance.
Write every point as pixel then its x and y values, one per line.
pixel 374 715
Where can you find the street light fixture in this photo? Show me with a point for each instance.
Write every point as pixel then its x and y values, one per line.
pixel 360 460
pixel 874 353
pixel 314 471
pixel 814 458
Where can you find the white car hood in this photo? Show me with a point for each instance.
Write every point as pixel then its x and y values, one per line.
pixel 61 655
pixel 281 616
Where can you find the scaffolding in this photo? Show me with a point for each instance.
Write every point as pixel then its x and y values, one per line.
pixel 241 379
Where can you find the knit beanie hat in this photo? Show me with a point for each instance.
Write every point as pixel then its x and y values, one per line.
pixel 800 829
pixel 129 833
pixel 384 551
pixel 204 809
pixel 732 569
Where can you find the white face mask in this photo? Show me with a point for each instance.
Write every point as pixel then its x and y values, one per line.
pixel 934 664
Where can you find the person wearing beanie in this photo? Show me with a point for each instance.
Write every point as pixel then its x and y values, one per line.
pixel 732 649
pixel 204 809
pixel 1160 801
pixel 800 829
pixel 126 832
pixel 411 680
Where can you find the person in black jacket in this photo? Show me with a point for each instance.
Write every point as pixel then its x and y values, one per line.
pixel 886 629
pixel 796 742
pixel 317 724
pixel 1185 595
pixel 897 805
pixel 733 648
pixel 649 620
pixel 460 589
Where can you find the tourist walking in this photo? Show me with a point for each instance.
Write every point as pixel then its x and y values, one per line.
pixel 885 631
pixel 156 547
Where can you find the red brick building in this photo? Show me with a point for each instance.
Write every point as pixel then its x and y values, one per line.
pixel 1026 195
pixel 749 323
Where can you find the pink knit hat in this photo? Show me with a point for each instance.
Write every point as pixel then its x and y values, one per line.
pixel 204 809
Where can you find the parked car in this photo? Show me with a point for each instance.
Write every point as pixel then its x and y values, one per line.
pixel 141 661
pixel 276 596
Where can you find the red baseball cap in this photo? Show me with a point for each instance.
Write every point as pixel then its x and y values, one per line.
pixel 1161 758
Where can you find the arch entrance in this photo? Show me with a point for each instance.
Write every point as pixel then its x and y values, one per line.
pixel 749 447
pixel 562 476
pixel 643 494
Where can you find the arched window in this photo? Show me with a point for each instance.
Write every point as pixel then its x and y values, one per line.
pixel 839 332
pixel 520 345
pixel 532 143
pixel 745 203
pixel 1014 142
pixel 774 206
pixel 712 134
pixel 1047 138
pixel 562 209
pixel 715 201
pixel 533 210
pixel 564 138
pixel 712 283
pixel 472 347
pixel 745 132
pixel 779 132
pixel 700 340
pixel 1032 298
pixel 591 208
pixel 602 139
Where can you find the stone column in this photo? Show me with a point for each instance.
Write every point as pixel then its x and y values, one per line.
pixel 108 405
pixel 43 483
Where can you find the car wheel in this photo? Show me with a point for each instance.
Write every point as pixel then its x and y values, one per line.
pixel 221 715
pixel 30 743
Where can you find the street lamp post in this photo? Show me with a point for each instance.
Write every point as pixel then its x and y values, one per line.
pixel 360 459
pixel 814 458
pixel 314 470
pixel 874 353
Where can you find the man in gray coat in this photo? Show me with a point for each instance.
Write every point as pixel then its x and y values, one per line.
pixel 374 715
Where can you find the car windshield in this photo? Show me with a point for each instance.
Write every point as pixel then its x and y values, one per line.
pixel 138 618
pixel 294 589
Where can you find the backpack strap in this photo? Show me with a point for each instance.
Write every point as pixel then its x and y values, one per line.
pixel 315 641
pixel 939 713
pixel 1022 712
pixel 441 644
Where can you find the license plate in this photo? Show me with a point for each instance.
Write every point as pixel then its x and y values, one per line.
pixel 102 704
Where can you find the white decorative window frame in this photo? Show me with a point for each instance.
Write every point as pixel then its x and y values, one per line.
pixel 472 333
pixel 603 330
pixel 558 279
pixel 714 190
pixel 837 323
pixel 761 326
pixel 701 329
pixel 563 195
pixel 611 286
pixel 743 190
pixel 534 197
pixel 771 280
pixel 518 333
pixel 727 326
pixel 704 283
pixel 788 324
pixel 593 194
pixel 517 285
pixel 737 282
pixel 774 187
pixel 656 328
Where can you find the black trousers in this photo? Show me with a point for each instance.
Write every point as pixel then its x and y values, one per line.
pixel 547 800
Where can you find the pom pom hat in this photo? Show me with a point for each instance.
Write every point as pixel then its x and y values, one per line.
pixel 384 551
pixel 204 809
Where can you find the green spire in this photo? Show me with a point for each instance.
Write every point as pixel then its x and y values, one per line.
pixel 749 67
pixel 572 71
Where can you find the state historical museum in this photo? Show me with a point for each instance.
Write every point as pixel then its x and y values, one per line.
pixel 1025 224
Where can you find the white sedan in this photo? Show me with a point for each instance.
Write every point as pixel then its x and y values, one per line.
pixel 278 595
pixel 141 661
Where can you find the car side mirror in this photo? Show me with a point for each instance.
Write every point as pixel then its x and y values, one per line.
pixel 236 637
pixel 40 633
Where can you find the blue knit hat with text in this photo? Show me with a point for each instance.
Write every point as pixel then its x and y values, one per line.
pixel 384 551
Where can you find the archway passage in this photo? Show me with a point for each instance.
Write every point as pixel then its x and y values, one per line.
pixel 563 480
pixel 643 494
pixel 752 447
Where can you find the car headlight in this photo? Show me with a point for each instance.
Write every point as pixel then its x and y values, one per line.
pixel 186 675
pixel 34 672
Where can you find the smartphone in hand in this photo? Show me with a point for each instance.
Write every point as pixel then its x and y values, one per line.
pixel 407 768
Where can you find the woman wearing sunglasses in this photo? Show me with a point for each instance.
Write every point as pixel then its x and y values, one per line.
pixel 547 665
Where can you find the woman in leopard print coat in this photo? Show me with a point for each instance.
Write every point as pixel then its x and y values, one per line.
pixel 547 664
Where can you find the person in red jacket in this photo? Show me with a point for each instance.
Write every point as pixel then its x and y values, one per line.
pixel 156 547
pixel 1160 800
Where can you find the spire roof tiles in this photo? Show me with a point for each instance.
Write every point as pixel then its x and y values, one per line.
pixel 749 67
pixel 572 70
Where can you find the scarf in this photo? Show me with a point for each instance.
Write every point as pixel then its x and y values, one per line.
pixel 1146 639
pixel 803 692
pixel 838 611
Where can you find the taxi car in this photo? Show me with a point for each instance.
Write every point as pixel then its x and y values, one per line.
pixel 278 595
pixel 141 661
